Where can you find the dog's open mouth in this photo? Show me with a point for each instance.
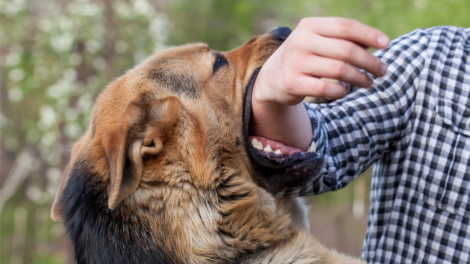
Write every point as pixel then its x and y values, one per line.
pixel 276 150
pixel 276 165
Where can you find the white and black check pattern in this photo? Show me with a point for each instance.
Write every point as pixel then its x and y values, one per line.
pixel 414 125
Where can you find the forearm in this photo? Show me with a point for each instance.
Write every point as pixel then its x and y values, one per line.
pixel 288 124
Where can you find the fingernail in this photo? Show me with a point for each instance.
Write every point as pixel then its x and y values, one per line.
pixel 383 40
pixel 369 83
pixel 383 69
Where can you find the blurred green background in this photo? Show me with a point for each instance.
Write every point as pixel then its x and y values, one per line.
pixel 57 55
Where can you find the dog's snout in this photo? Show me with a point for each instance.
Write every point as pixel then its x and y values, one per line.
pixel 281 33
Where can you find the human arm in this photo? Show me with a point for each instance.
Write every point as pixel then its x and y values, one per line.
pixel 370 125
pixel 318 47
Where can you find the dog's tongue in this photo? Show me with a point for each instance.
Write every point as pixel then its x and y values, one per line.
pixel 269 145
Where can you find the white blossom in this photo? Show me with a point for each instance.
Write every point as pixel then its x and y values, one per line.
pixel 16 74
pixel 15 94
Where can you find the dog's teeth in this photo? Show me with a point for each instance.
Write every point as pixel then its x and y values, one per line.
pixel 312 147
pixel 268 148
pixel 256 144
pixel 278 152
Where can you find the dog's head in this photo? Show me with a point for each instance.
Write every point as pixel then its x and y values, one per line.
pixel 175 129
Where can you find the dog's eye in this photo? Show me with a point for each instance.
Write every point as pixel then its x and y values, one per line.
pixel 219 62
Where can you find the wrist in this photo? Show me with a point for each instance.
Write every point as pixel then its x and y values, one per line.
pixel 288 124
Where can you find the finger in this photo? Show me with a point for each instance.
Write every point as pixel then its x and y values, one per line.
pixel 346 51
pixel 348 29
pixel 334 69
pixel 346 85
pixel 310 86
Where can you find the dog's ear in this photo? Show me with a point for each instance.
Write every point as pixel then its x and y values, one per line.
pixel 143 131
pixel 123 150
pixel 57 212
pixel 140 132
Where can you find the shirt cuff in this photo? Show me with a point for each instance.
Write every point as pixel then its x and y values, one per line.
pixel 319 136
pixel 320 139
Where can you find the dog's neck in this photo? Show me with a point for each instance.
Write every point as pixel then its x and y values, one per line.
pixel 159 224
pixel 221 224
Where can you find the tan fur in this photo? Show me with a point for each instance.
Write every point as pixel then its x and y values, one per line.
pixel 189 165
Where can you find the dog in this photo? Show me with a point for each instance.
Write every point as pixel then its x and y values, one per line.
pixel 167 173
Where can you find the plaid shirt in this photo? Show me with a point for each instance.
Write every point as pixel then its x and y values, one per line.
pixel 414 126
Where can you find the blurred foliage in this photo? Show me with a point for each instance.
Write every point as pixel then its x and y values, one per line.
pixel 55 61
pixel 226 24
pixel 57 55
pixel 398 17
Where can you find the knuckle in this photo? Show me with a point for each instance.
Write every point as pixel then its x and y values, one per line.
pixel 339 69
pixel 295 42
pixel 345 24
pixel 308 23
pixel 321 88
pixel 378 63
pixel 289 81
pixel 364 79
pixel 373 65
pixel 371 37
pixel 305 21
pixel 347 51
pixel 290 90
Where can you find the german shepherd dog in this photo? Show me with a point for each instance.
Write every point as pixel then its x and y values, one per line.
pixel 166 172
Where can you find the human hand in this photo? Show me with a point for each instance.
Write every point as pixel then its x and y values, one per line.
pixel 333 48
pixel 320 47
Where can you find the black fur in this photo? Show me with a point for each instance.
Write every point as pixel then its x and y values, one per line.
pixel 101 235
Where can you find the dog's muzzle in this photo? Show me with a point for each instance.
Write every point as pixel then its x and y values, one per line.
pixel 277 171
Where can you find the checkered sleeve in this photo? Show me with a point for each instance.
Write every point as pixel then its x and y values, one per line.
pixel 357 130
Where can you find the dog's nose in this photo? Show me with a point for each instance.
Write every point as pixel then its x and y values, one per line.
pixel 281 33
